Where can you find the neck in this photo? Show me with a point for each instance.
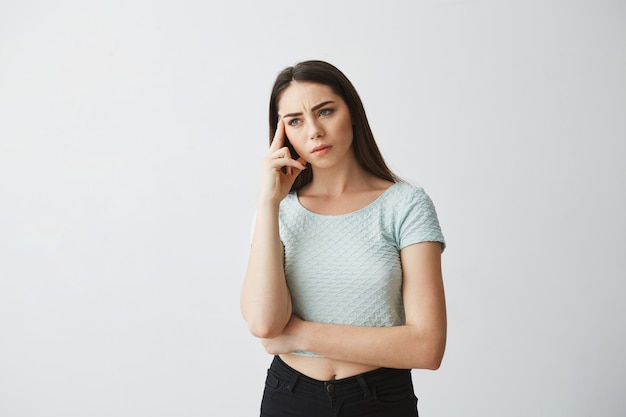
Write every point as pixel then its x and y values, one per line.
pixel 335 181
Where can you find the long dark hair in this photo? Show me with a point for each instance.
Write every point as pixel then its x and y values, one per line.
pixel 365 149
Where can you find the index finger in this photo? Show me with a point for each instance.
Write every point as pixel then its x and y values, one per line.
pixel 279 136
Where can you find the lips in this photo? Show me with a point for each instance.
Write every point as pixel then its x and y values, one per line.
pixel 321 150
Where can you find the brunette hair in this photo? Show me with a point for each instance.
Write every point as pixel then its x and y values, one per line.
pixel 365 149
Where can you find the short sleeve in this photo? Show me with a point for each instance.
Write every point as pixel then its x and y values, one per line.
pixel 419 222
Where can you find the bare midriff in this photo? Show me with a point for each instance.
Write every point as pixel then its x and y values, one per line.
pixel 324 369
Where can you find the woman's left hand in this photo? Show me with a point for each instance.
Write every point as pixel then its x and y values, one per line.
pixel 287 342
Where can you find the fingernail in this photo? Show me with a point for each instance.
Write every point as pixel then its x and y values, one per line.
pixel 279 117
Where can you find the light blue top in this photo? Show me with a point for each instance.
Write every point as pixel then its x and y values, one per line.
pixel 345 269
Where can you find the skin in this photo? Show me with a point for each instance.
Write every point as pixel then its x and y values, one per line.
pixel 314 118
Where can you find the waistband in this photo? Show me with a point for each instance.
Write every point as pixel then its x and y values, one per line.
pixel 360 383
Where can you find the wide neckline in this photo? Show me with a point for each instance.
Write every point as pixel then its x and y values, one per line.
pixel 350 213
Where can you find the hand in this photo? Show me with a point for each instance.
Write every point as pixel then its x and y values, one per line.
pixel 275 183
pixel 287 342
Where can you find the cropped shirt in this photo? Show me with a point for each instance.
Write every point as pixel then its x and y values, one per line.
pixel 345 269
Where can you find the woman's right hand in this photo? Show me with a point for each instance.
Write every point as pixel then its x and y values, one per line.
pixel 275 183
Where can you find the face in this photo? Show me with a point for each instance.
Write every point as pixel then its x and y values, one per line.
pixel 317 123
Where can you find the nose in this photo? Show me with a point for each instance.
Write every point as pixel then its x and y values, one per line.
pixel 315 130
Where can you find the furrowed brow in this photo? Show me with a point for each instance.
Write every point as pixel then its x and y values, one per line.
pixel 317 106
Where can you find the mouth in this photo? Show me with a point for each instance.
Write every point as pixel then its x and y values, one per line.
pixel 321 150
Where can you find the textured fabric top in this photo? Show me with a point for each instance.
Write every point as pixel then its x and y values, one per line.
pixel 345 269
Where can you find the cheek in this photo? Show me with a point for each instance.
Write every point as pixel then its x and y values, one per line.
pixel 302 153
pixel 347 130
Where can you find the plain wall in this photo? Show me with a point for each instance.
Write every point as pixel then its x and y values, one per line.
pixel 131 134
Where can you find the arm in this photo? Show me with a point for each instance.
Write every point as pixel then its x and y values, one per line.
pixel 418 344
pixel 265 298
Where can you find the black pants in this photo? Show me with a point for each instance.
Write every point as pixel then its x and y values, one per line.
pixel 379 393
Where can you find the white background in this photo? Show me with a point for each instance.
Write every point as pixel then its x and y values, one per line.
pixel 131 134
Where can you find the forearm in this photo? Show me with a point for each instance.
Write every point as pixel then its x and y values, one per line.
pixel 418 344
pixel 393 347
pixel 265 297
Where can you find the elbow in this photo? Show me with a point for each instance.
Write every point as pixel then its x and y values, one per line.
pixel 426 360
pixel 264 332
pixel 436 355
pixel 431 361
pixel 434 362
pixel 265 322
pixel 431 356
pixel 265 329
pixel 265 325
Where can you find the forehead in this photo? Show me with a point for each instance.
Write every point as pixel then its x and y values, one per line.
pixel 302 95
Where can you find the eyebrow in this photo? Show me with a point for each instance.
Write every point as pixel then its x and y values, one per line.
pixel 317 106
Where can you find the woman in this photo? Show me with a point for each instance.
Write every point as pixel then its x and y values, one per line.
pixel 344 280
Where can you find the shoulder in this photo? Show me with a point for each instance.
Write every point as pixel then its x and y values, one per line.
pixel 414 214
pixel 289 210
pixel 290 201
pixel 404 193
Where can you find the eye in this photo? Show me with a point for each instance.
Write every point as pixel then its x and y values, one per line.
pixel 326 112
pixel 294 122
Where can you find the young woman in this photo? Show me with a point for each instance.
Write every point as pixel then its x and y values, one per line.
pixel 344 280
